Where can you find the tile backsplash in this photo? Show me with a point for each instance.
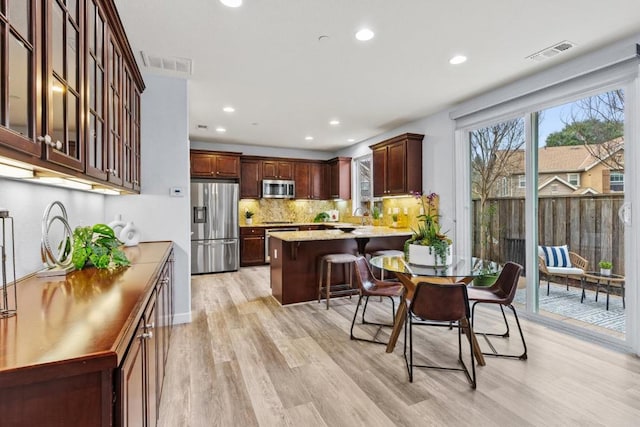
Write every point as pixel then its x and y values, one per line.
pixel 285 210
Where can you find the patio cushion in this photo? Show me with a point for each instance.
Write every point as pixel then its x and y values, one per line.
pixel 565 271
pixel 556 256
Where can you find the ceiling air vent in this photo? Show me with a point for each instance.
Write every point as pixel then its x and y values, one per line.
pixel 181 67
pixel 551 51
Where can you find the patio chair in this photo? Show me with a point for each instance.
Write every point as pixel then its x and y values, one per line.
pixel 560 261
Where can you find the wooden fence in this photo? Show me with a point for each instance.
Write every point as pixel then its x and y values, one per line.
pixel 588 225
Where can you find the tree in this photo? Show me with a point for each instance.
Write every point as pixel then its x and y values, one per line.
pixel 496 151
pixel 589 131
pixel 607 110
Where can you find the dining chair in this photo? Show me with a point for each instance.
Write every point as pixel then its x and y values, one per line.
pixel 502 293
pixel 369 286
pixel 439 305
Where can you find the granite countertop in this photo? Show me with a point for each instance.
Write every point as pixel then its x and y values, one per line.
pixel 359 232
pixel 298 224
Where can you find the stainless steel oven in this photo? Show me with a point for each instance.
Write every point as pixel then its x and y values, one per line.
pixel 267 258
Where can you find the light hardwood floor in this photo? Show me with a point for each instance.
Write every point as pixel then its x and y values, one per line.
pixel 247 361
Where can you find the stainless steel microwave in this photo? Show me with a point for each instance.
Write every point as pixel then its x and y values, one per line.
pixel 278 189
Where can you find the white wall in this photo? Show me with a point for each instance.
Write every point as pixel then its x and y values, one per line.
pixel 26 203
pixel 165 164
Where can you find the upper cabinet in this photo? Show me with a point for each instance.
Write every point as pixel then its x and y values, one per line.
pixel 250 178
pixel 211 164
pixel 339 177
pixel 73 102
pixel 310 178
pixel 22 55
pixel 397 165
pixel 277 169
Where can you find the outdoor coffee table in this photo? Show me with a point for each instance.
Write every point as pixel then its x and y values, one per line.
pixel 601 280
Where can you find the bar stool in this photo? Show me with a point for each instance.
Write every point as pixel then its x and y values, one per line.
pixel 328 290
pixel 385 252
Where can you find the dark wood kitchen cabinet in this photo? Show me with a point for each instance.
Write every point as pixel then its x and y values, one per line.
pixel 397 165
pixel 252 246
pixel 277 169
pixel 250 178
pixel 214 164
pixel 310 178
pixel 339 178
pixel 102 363
pixel 69 64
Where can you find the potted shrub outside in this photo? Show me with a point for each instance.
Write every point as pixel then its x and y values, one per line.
pixel 428 245
pixel 248 217
pixel 605 267
pixel 488 273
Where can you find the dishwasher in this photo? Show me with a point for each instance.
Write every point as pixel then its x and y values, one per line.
pixel 267 258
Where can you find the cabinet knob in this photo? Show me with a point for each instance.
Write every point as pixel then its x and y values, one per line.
pixel 147 335
pixel 46 139
pixel 150 325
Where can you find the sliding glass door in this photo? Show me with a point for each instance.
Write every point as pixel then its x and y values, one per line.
pixel 573 199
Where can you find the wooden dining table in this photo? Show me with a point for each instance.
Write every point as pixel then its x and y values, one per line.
pixel 460 271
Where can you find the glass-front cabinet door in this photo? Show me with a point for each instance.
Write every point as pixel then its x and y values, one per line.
pixel 62 83
pixel 96 163
pixel 19 124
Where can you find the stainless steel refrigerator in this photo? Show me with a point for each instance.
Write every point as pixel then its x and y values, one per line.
pixel 215 244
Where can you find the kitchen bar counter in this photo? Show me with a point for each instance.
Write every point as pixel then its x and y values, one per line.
pixel 358 233
pixel 295 257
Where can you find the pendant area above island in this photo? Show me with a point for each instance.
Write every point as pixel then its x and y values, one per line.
pixel 295 256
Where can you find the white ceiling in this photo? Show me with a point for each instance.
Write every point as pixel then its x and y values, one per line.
pixel 266 60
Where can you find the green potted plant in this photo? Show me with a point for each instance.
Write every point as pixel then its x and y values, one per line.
pixel 394 220
pixel 605 267
pixel 376 215
pixel 98 245
pixel 428 245
pixel 487 273
pixel 248 217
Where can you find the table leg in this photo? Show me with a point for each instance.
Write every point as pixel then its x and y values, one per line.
pixel 397 324
pixel 477 351
pixel 608 290
pixel 582 280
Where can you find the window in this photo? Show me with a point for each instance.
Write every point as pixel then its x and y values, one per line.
pixel 362 183
pixel 522 182
pixel 616 181
pixel 574 179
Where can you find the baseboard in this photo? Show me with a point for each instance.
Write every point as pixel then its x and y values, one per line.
pixel 179 318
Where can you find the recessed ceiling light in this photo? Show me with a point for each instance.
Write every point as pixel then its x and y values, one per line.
pixel 364 34
pixel 458 59
pixel 308 138
pixel 220 129
pixel 228 109
pixel 334 122
pixel 231 3
pixel 351 140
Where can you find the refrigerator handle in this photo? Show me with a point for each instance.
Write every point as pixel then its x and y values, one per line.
pixel 199 214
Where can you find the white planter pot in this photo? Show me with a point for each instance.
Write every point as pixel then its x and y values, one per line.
pixel 426 255
pixel 605 271
pixel 248 221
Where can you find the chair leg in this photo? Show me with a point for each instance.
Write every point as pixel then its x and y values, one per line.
pixel 547 285
pixel 494 352
pixel 471 377
pixel 364 322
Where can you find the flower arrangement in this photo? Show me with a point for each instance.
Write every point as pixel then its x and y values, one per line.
pixel 428 232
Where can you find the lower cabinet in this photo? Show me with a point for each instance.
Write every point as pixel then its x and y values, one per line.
pixel 252 246
pixel 141 374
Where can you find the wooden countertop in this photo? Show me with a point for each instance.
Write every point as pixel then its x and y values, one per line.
pixel 358 233
pixel 87 313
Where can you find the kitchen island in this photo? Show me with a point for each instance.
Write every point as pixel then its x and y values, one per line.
pixel 295 256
